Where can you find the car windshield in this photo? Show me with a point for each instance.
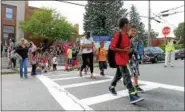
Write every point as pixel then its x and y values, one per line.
pixel 177 51
pixel 159 49
pixel 149 49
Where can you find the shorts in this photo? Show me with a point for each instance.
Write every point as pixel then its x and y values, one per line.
pixel 69 61
pixel 75 62
pixel 102 65
pixel 133 68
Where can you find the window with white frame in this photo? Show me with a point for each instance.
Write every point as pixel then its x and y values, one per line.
pixel 8 13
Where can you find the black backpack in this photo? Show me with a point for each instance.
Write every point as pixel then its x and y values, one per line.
pixel 111 53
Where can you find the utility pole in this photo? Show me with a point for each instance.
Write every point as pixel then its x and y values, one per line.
pixel 149 23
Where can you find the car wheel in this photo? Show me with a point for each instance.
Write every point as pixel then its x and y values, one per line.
pixel 156 60
pixel 182 58
pixel 175 58
pixel 153 61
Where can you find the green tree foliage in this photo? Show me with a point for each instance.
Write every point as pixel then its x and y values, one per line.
pixel 136 20
pixel 47 23
pixel 101 17
pixel 179 32
pixel 141 34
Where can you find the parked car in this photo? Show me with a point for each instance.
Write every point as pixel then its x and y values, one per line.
pixel 153 54
pixel 180 54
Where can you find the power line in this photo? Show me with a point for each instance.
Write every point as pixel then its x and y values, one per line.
pixel 72 3
pixel 171 9
pixel 164 21
pixel 165 15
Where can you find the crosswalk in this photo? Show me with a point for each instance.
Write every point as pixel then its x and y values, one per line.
pixel 83 93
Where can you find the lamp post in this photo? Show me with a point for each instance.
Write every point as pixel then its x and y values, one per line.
pixel 149 22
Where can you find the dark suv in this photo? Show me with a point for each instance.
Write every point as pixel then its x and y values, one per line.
pixel 153 54
pixel 180 54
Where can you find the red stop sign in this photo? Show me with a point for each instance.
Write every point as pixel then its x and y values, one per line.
pixel 166 30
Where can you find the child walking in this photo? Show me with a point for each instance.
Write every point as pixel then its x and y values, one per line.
pixel 33 60
pixel 55 63
pixel 102 58
pixel 134 61
pixel 69 57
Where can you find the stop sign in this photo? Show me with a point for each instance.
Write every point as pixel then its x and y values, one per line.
pixel 166 30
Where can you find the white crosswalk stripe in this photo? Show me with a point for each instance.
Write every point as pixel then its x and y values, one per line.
pixel 108 96
pixel 86 83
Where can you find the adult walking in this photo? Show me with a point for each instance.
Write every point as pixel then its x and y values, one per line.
pixel 169 51
pixel 22 50
pixel 87 53
pixel 120 44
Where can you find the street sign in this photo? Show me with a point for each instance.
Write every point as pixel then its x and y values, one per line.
pixel 102 38
pixel 166 30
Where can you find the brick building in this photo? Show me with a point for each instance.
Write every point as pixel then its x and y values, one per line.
pixel 11 13
pixel 158 41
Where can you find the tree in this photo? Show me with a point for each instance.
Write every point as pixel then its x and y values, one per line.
pixel 136 20
pixel 179 32
pixel 141 34
pixel 101 17
pixel 47 23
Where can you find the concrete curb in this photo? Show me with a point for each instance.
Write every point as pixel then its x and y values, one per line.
pixel 17 72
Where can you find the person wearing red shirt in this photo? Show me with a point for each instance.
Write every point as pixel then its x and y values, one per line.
pixel 122 58
pixel 66 46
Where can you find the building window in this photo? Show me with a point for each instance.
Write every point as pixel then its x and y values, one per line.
pixel 9 13
pixel 8 29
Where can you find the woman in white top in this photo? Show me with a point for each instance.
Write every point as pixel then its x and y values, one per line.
pixel 87 53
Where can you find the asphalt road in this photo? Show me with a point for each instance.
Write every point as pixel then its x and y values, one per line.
pixel 164 90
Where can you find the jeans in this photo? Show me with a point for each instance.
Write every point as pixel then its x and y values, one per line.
pixel 122 71
pixel 23 64
pixel 102 65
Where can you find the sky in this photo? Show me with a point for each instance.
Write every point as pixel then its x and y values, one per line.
pixel 74 13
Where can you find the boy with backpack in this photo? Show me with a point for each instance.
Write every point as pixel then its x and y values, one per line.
pixel 102 58
pixel 118 57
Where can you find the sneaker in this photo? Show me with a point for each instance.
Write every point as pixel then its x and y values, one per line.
pixel 134 98
pixel 26 77
pixel 138 89
pixel 112 90
pixel 80 74
pixel 101 73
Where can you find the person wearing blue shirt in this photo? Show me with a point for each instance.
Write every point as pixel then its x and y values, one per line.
pixel 140 50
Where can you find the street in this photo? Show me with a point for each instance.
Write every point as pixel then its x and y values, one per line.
pixel 61 90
